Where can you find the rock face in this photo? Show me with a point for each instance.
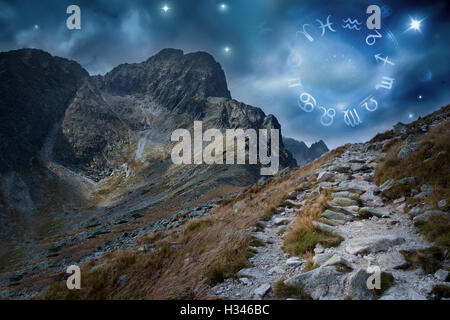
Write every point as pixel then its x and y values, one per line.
pixel 143 103
pixel 302 153
pixel 35 89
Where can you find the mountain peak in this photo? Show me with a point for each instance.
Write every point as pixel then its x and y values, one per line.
pixel 170 77
pixel 302 153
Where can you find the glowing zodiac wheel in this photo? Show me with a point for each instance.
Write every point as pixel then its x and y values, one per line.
pixel 371 35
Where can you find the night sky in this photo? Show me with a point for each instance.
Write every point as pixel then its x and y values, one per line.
pixel 261 50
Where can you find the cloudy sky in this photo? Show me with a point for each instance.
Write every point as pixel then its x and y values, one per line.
pixel 274 52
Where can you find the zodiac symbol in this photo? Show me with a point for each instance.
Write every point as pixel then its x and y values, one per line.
pixel 351 24
pixel 306 34
pixel 385 60
pixel 330 113
pixel 371 38
pixel 323 26
pixel 365 103
pixel 386 83
pixel 351 118
pixel 307 102
pixel 294 83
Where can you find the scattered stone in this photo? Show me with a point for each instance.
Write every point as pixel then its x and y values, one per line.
pixel 337 260
pixel 344 202
pixel 341 169
pixel 324 176
pixel 402 199
pixel 375 243
pixel 319 248
pixel 276 269
pixel 409 146
pixel 357 186
pixel 358 286
pixel 328 214
pixel 330 229
pixel 422 195
pixel 345 194
pixel 280 220
pixel 370 196
pixel 442 203
pixel 407 180
pixel 377 212
pixel 388 184
pixel 237 205
pixel 414 211
pixel 426 188
pixel 426 215
pixel 294 262
pixel 442 275
pixel 319 259
pixel 249 273
pixel 246 281
pixel 319 283
pixel 262 290
pixel 392 260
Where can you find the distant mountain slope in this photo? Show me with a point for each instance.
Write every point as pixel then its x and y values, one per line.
pixel 302 153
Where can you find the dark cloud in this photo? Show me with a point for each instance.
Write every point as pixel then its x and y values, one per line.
pixel 338 69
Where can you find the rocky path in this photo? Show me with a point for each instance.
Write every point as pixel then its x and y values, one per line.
pixel 374 234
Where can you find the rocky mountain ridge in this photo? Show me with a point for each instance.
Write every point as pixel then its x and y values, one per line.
pixel 302 153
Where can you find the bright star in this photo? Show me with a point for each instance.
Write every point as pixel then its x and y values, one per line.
pixel 223 7
pixel 36 26
pixel 410 116
pixel 227 49
pixel 415 24
pixel 165 8
pixel 420 97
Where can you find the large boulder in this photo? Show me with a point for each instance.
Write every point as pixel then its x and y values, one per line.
pixel 372 244
pixel 321 283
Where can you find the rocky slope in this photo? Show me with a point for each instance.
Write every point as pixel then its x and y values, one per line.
pixel 313 232
pixel 302 153
pixel 376 227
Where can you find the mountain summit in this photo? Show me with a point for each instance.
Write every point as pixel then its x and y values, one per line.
pixel 302 153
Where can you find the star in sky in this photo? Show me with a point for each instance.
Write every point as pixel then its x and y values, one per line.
pixel 227 49
pixel 415 24
pixel 165 8
pixel 223 7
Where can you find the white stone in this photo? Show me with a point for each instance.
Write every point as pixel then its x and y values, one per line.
pixel 375 243
pixel 262 290
pixel 294 262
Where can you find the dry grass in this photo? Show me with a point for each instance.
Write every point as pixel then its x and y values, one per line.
pixel 283 291
pixel 430 164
